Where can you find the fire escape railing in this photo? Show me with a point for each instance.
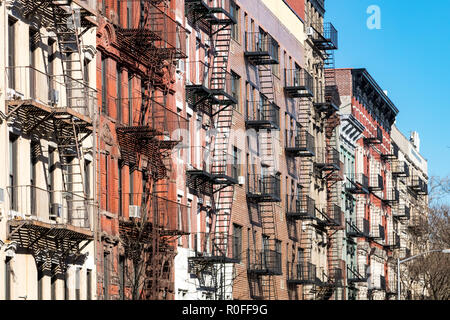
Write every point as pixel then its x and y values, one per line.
pixel 262 114
pixel 300 207
pixel 262 188
pixel 299 143
pixel 261 48
pixel 298 83
pixel 264 262
pixel 324 37
pixel 357 183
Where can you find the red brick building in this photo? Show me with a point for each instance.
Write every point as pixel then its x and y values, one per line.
pixel 362 97
pixel 139 45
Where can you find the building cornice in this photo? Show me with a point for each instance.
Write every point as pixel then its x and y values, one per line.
pixel 367 91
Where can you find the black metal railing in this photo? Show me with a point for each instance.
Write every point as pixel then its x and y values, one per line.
pixel 334 213
pixel 392 196
pixel 264 262
pixel 402 212
pixel 352 230
pixel 263 188
pixel 298 83
pixel 418 185
pixel 325 37
pixel 301 273
pixel 300 143
pixel 353 275
pixel 382 282
pixel 262 114
pixel 27 201
pixel 376 182
pixel 400 168
pixel 216 247
pixel 375 137
pixel 392 154
pixel 377 231
pixel 327 158
pixel 357 183
pixel 261 48
pixel 300 207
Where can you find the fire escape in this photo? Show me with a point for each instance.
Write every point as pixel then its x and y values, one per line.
pixel 151 47
pixel 211 94
pixel 263 116
pixel 58 109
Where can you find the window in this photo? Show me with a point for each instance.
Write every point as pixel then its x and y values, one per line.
pixel 66 286
pixel 130 99
pixel 33 45
pixel 119 93
pixel 236 162
pixel 120 182
pixel 234 12
pixel 7 279
pixel 235 86
pixel 53 280
pixel 237 241
pixel 106 276
pixel 122 277
pixel 104 86
pixel 106 182
pixel 33 161
pixel 11 52
pixel 51 176
pixel 86 71
pixel 51 55
pixel 118 11
pixel 131 186
pixel 13 171
pixel 77 283
pixel 88 284
pixel 129 14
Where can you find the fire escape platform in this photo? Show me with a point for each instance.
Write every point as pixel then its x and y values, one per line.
pixel 201 98
pixel 34 115
pixel 202 11
pixel 59 239
pixel 212 259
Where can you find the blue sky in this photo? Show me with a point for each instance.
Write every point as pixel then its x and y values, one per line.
pixel 410 58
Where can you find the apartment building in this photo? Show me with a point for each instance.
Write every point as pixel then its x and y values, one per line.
pixel 410 170
pixel 140 47
pixel 351 131
pixel 47 109
pixel 372 185
pixel 259 226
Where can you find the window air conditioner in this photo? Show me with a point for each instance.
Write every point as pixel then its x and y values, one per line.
pixel 12 94
pixel 310 31
pixel 54 97
pixel 56 210
pixel 241 180
pixel 134 211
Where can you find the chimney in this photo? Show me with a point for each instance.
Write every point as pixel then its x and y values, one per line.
pixel 415 140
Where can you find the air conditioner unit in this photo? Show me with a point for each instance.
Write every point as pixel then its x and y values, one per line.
pixel 134 211
pixel 12 94
pixel 56 210
pixel 241 180
pixel 310 31
pixel 54 97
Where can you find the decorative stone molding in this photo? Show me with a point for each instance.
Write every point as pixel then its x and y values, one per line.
pixel 109 242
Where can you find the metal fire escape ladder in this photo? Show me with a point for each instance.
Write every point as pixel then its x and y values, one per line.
pixel 66 26
pixel 72 167
pixel 222 198
pixel 219 66
pixel 266 83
